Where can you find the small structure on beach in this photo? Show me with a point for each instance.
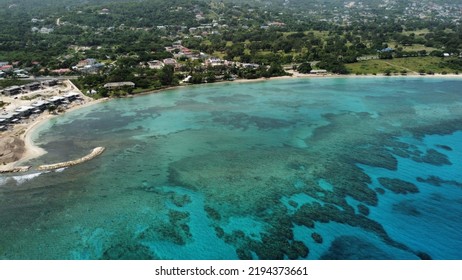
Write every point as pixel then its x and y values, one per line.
pixel 318 71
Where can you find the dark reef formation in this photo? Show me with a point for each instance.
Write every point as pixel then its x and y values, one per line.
pixel 257 179
pixel 398 186
pixel 438 182
pixel 354 248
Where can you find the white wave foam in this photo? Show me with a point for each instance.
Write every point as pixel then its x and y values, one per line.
pixel 3 180
pixel 21 179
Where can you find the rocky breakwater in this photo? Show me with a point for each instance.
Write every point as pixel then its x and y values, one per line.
pixel 94 153
pixel 14 169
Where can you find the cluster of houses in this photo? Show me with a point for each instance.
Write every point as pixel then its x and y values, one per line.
pixel 11 69
pixel 24 112
pixel 179 51
pixel 13 90
pixel 159 64
pixel 89 65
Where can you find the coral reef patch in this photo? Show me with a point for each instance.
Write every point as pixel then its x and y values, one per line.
pixel 398 186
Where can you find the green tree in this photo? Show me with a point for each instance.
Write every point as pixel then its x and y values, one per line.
pixel 304 68
pixel 166 76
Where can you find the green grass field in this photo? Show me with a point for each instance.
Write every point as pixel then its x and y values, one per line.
pixel 413 48
pixel 410 64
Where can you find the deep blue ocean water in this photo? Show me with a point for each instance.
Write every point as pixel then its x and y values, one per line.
pixel 334 168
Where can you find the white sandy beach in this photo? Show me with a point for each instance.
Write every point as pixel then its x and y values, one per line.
pixel 24 148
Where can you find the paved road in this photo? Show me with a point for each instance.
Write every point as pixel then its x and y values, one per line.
pixel 41 78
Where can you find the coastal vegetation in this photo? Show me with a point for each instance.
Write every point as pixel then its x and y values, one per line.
pixel 421 65
pixel 392 37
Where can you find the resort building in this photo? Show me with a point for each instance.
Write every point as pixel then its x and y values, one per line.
pixel 13 90
pixel 71 96
pixel 3 124
pixel 8 117
pixel 56 100
pixel 40 105
pixel 24 111
pixel 32 86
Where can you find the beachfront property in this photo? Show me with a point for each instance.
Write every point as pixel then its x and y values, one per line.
pixel 32 86
pixel 56 100
pixel 25 111
pixel 318 71
pixel 13 116
pixel 9 117
pixel 118 85
pixel 40 105
pixel 71 96
pixel 13 90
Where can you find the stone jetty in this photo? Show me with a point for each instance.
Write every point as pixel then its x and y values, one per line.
pixel 96 152
pixel 15 169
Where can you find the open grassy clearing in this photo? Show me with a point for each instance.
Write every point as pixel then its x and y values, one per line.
pixel 420 32
pixel 411 48
pixel 409 64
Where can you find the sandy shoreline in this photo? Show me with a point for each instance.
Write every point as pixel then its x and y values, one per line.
pixel 296 75
pixel 29 150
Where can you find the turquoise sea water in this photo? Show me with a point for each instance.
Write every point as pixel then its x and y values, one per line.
pixel 363 168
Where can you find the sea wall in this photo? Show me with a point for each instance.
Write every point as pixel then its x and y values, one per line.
pixel 15 169
pixel 96 152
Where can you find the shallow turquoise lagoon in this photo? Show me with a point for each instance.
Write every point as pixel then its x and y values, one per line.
pixel 328 168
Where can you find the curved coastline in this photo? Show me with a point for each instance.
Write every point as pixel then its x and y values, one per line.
pixel 32 151
pixel 162 162
pixel 94 153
